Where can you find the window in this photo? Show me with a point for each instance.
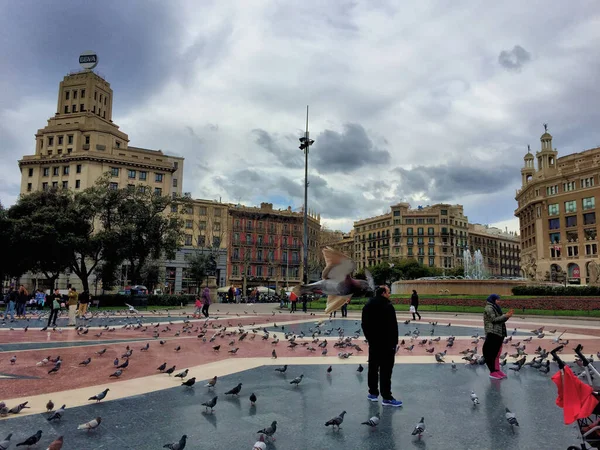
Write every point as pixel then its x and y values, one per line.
pixel 431 262
pixel 60 140
pixel 188 223
pixel 131 174
pixel 118 144
pixel 157 191
pixel 554 238
pixel 174 182
pixel 74 108
pixel 55 171
pixel 202 225
pixel 65 184
pixel 44 186
pixel 420 231
pixel 396 213
pixel 143 175
pixel 114 171
pixel 188 239
pixel 431 251
pixel 65 170
pixel 95 95
pixel 571 207
pixel 87 140
pixel 409 221
pixel 573 250
pixel 46 171
pixel 554 224
pixel 113 186
pixel 589 218
pixel 420 241
pixel 409 231
pixel 553 209
pixel 218 213
pixel 143 189
pixel 158 177
pixel 30 172
pixel 571 221
pixel 552 190
pixel 202 211
pixel 216 241
pixel 67 95
pixel 78 168
pixel 587 182
pixel 74 95
pixel 409 241
pixel 50 141
pixel 77 184
pixel 55 184
pixel 444 212
pixel 59 151
pixel 591 249
pixel 431 241
pixel 588 203
pixel 569 186
pixel 100 98
pixel 28 187
pixel 83 93
pixel 173 208
pixel 217 227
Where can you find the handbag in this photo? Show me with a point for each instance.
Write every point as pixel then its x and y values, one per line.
pixel 55 304
pixel 412 309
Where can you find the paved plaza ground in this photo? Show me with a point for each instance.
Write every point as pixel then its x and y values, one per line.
pixel 146 409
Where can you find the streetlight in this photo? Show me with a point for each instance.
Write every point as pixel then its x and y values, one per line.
pixel 305 143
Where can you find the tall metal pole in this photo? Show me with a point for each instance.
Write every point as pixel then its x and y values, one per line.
pixel 305 238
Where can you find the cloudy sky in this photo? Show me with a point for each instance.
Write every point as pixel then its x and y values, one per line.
pixel 409 101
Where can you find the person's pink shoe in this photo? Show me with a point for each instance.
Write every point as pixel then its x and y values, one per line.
pixel 496 376
pixel 503 374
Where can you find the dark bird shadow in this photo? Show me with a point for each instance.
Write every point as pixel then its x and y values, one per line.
pixel 329 379
pixel 419 443
pixel 235 400
pixel 359 377
pixel 210 417
pixel 190 392
pixel 252 410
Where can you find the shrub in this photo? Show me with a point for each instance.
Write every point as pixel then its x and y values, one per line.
pixel 565 291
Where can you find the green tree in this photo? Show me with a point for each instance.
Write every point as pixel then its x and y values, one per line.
pixel 199 267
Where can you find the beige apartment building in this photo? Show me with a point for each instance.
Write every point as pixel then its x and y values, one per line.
pixel 434 235
pixel 343 242
pixel 557 214
pixel 500 249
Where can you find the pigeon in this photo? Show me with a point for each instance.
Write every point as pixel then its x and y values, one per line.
pixel 373 421
pixel 54 369
pixel 92 424
pixel 101 352
pixel 99 396
pixel 336 421
pixel 162 367
pixel 178 348
pixel 177 445
pixel 5 443
pixel 281 369
pixel 253 398
pixel 145 349
pixel 274 354
pixel 337 282
pixel 132 310
pixel 85 362
pixel 116 362
pixel 439 358
pixel 270 430
pixel 190 382
pixel 170 370
pixel 511 418
pixel 54 445
pixel 43 362
pixel 235 391
pixel 124 365
pixel 260 444
pixel 474 398
pixel 211 403
pixel 296 381
pixel 329 369
pixel 183 374
pixel 360 368
pixel 17 409
pixel 216 348
pixel 32 440
pixel 58 413
pixel 453 365
pixel 13 359
pixel 211 383
pixel 116 374
pixel 419 428
pixel 49 406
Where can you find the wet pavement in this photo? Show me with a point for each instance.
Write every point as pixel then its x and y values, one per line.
pixel 435 392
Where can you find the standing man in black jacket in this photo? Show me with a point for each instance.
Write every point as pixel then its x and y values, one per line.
pixel 380 326
pixel 414 305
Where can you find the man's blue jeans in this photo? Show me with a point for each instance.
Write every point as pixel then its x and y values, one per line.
pixel 10 310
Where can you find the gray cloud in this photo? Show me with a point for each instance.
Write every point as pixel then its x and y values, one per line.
pixel 514 59
pixel 287 153
pixel 347 151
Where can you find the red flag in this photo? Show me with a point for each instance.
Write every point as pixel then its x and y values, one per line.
pixel 574 396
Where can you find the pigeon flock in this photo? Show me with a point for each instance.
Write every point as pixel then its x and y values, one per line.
pixel 219 336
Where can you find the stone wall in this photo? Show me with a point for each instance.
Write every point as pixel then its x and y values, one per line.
pixel 456 287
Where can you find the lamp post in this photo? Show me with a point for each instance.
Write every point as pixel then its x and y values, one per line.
pixel 305 143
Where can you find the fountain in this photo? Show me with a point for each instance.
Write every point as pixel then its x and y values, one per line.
pixel 475 281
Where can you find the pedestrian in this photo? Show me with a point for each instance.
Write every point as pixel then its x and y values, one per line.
pixel 54 302
pixel 84 300
pixel 40 299
pixel 304 303
pixel 73 298
pixel 230 294
pixel 380 326
pixel 22 298
pixel 205 301
pixel 282 297
pixel 198 304
pixel 414 305
pixel 10 299
pixel 494 323
pixel 294 301
pixel 345 308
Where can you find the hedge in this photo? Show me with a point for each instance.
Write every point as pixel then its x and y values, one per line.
pixel 108 300
pixel 568 291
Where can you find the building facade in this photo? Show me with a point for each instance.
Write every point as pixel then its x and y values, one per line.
pixel 501 250
pixel 556 207
pixel 433 235
pixel 265 245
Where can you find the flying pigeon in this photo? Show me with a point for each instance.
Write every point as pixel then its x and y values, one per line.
pixel 54 445
pixel 100 396
pixel 235 391
pixel 270 430
pixel 132 309
pixel 373 421
pixel 337 282
pixel 419 428
pixel 92 424
pixel 211 403
pixel 32 440
pixel 511 418
pixel 177 445
pixel 190 382
pixel 58 413
pixel 336 421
